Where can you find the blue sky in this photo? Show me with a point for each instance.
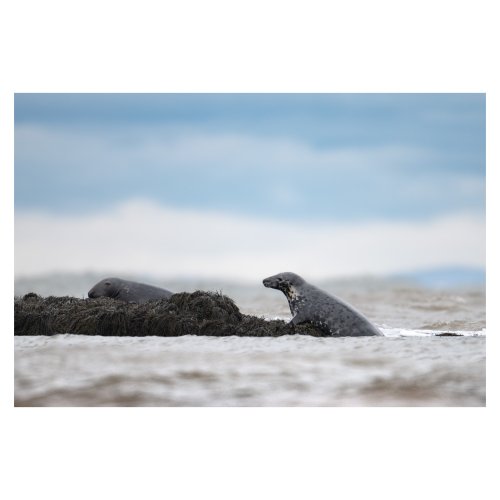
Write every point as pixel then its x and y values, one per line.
pixel 306 156
pixel 244 185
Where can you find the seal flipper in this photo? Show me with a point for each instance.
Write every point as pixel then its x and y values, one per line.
pixel 298 319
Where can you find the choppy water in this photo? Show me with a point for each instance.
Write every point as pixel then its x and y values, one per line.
pixel 410 366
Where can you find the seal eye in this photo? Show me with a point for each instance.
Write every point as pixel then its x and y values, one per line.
pixel 107 283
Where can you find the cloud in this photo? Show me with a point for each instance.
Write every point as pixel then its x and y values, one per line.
pixel 141 237
pixel 158 146
pixel 98 167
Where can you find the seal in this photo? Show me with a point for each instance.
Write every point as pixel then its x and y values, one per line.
pixel 309 304
pixel 127 291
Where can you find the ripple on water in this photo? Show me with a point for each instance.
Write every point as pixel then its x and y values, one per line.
pixel 233 371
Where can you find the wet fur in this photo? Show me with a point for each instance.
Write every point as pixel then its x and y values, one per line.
pixel 127 291
pixel 309 304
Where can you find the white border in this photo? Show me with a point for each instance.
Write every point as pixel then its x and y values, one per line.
pixel 260 46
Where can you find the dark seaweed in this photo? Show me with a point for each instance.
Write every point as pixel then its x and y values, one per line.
pixel 198 313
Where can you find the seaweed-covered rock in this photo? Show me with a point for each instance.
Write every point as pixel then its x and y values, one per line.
pixel 198 313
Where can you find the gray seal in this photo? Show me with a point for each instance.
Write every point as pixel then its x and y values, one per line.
pixel 127 291
pixel 309 304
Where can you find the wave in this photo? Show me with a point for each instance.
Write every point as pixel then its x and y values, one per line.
pixel 413 332
pixel 405 332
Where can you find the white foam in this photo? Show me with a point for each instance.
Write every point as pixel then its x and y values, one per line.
pixel 404 332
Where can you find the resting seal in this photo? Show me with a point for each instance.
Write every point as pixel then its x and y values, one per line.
pixel 326 312
pixel 127 291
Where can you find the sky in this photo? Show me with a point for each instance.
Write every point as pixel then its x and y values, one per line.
pixel 247 185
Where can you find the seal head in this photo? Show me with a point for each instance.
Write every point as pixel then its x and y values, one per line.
pixel 289 284
pixel 309 304
pixel 108 287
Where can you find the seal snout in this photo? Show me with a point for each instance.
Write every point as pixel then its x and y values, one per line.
pixel 270 282
pixel 266 282
pixel 91 294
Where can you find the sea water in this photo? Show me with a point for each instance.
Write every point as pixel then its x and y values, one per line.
pixel 412 365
